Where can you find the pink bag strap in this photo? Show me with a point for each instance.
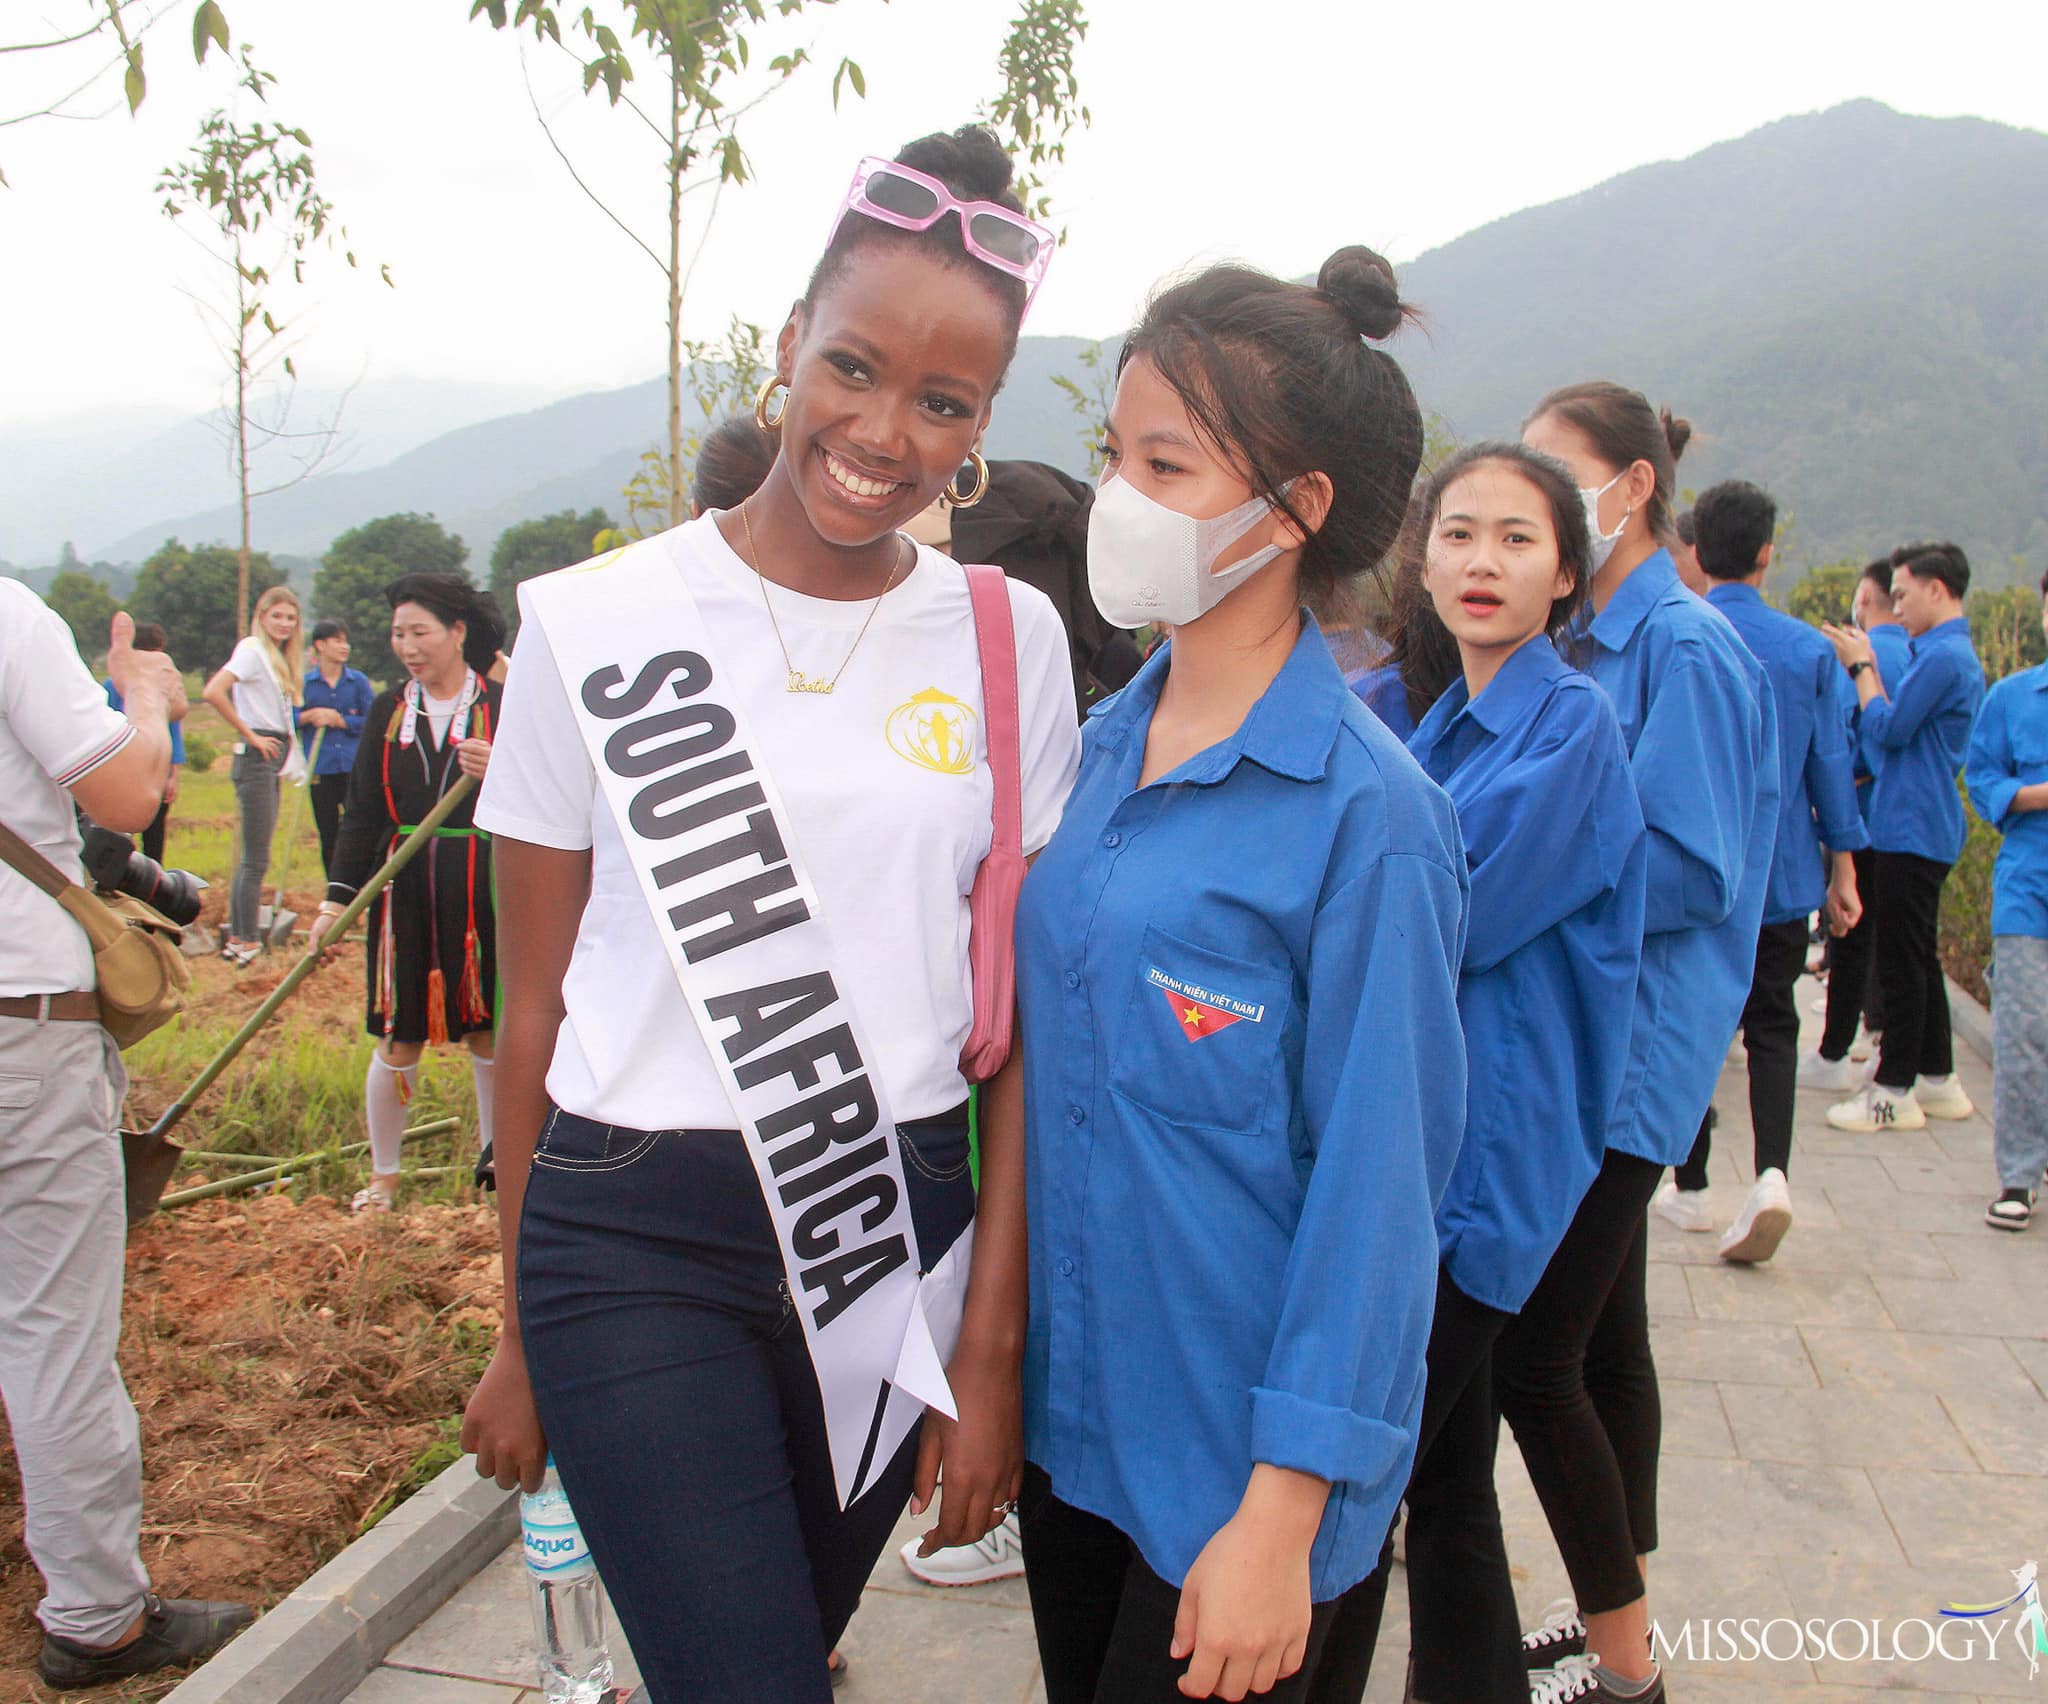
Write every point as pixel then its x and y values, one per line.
pixel 996 637
pixel 992 906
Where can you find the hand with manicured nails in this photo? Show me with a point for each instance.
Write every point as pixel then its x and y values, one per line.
pixel 982 1453
pixel 1244 1607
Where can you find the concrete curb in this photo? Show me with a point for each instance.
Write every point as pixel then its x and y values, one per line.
pixel 317 1645
pixel 1969 1020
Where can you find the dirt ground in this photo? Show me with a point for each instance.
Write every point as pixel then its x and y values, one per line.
pixel 295 1369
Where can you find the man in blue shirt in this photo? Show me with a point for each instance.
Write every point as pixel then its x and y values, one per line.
pixel 1914 735
pixel 2008 777
pixel 1818 828
pixel 1853 993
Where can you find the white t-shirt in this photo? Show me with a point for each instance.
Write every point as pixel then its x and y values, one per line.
pixel 887 787
pixel 55 726
pixel 258 699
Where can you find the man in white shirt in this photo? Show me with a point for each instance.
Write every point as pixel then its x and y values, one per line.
pixel 62 1220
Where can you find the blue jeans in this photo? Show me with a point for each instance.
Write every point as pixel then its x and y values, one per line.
pixel 676 1390
pixel 2019 1059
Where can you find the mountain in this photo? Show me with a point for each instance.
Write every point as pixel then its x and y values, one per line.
pixel 1849 306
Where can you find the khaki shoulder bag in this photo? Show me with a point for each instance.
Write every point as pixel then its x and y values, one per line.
pixel 139 971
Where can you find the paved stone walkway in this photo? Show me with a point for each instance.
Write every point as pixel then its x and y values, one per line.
pixel 1856 1432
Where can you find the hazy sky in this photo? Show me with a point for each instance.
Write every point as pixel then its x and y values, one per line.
pixel 1272 131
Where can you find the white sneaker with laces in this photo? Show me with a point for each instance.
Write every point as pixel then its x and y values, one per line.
pixel 1842 1076
pixel 1688 1209
pixel 1761 1225
pixel 1875 1107
pixel 998 1556
pixel 1943 1097
pixel 1577 1680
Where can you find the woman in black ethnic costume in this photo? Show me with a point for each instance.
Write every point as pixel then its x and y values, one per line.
pixel 432 950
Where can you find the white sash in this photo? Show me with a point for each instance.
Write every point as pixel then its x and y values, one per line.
pixel 709 838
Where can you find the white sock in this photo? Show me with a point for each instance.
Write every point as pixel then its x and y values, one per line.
pixel 384 1110
pixel 480 1075
pixel 1937 1082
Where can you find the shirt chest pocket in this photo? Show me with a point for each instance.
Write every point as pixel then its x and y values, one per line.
pixel 1200 1036
pixel 2030 747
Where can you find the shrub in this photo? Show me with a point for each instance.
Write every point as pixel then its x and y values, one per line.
pixel 200 753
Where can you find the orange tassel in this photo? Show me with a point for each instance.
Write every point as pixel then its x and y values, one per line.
pixel 473 1008
pixel 437 1007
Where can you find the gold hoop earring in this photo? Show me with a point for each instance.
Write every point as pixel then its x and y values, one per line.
pixel 761 403
pixel 952 494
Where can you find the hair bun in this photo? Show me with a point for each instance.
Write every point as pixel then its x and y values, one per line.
pixel 1677 431
pixel 969 161
pixel 1362 285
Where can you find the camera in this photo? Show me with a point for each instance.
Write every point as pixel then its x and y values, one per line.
pixel 112 861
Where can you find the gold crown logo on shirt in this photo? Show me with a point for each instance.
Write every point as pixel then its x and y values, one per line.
pixel 935 731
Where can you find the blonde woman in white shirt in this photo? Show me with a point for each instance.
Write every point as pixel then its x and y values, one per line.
pixel 257 691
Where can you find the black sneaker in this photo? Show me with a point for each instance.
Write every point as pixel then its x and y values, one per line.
pixel 175 1631
pixel 1562 1635
pixel 487 1168
pixel 1577 1680
pixel 2012 1211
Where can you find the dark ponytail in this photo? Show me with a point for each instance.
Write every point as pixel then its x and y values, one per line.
pixel 1623 430
pixel 1279 378
pixel 450 598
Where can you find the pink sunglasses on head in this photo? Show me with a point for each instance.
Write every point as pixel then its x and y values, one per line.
pixel 995 235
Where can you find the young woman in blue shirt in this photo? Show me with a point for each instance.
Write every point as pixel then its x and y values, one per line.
pixel 1531 753
pixel 338 698
pixel 1244 1075
pixel 1573 1372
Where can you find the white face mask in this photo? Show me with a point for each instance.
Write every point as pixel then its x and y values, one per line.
pixel 1149 563
pixel 1603 543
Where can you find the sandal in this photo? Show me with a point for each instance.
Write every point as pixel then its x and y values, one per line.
pixel 241 957
pixel 836 1666
pixel 375 1198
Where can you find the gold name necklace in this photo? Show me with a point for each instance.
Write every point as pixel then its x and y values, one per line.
pixel 798 680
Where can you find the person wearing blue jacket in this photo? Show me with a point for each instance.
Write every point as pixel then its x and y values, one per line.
pixel 1531 753
pixel 1916 734
pixel 1574 1372
pixel 1237 968
pixel 1813 866
pixel 338 699
pixel 2007 771
pixel 1853 995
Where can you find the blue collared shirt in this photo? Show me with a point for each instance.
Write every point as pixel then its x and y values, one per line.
pixel 1811 694
pixel 1696 712
pixel 2008 751
pixel 1915 738
pixel 352 695
pixel 1244 1086
pixel 1892 649
pixel 1555 847
pixel 1382 691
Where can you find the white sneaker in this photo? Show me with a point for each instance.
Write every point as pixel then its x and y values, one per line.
pixel 1761 1225
pixel 1875 1107
pixel 1688 1209
pixel 1841 1076
pixel 999 1556
pixel 1943 1097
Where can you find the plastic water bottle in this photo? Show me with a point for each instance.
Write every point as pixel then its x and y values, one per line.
pixel 568 1604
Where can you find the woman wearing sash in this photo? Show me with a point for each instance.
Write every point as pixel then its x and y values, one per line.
pixel 680 1269
pixel 432 948
pixel 1238 966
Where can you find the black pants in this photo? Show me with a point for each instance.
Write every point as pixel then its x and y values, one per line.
pixel 1104 1619
pixel 1852 991
pixel 153 835
pixel 328 792
pixel 1917 1042
pixel 1464 1635
pixel 1770 1033
pixel 1574 1376
pixel 671 1375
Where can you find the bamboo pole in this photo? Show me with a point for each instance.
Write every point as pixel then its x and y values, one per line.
pixel 275 1170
